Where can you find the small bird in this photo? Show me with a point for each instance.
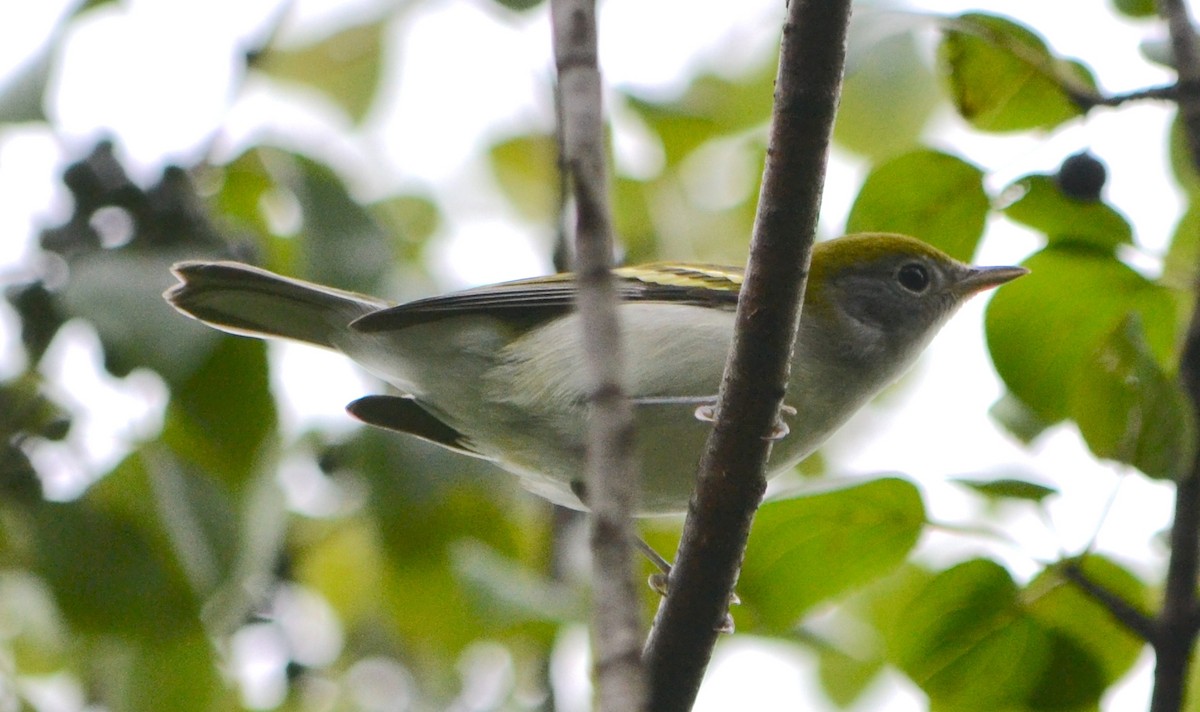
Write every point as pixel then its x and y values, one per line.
pixel 495 372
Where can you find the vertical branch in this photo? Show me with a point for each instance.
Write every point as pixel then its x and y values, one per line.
pixel 1175 627
pixel 612 481
pixel 731 481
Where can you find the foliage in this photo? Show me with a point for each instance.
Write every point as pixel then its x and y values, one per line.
pixel 145 588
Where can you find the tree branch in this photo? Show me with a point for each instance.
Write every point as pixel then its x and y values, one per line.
pixel 1176 631
pixel 611 478
pixel 731 482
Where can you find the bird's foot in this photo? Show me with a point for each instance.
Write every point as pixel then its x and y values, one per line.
pixel 660 583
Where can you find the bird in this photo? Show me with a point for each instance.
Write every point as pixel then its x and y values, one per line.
pixel 495 372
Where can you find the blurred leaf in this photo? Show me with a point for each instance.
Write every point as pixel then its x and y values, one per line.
pixel 345 565
pixel 1063 607
pixel 35 634
pixel 887 97
pixel 90 4
pixel 1182 262
pixel 504 590
pixel 1180 155
pixel 632 222
pixel 519 5
pixel 1145 417
pixel 927 194
pixel 19 481
pixel 189 520
pixel 526 168
pixel 1043 327
pixel 26 410
pixel 1072 679
pixel 410 220
pixel 21 97
pixel 344 66
pixel 120 293
pixel 966 642
pixel 343 245
pixel 221 417
pixel 425 503
pixel 1044 208
pixel 711 106
pixel 1003 78
pixel 1009 489
pixel 108 577
pixel 1135 8
pixel 844 677
pixel 41 317
pixel 852 652
pixel 176 673
pixel 1017 419
pixel 808 548
pixel 244 185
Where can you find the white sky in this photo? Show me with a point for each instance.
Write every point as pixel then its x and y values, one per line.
pixel 424 133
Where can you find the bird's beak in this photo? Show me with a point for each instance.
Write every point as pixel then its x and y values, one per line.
pixel 981 278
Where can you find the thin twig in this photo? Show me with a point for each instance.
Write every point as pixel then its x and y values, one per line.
pixel 731 482
pixel 611 478
pixel 1121 610
pixel 1089 99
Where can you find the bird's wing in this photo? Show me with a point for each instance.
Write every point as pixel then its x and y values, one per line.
pixel 532 301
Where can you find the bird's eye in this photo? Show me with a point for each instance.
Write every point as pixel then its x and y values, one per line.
pixel 913 277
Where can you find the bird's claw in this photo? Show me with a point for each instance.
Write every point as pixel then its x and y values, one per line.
pixel 708 413
pixel 660 584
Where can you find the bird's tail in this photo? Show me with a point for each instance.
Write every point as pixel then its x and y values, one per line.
pixel 246 300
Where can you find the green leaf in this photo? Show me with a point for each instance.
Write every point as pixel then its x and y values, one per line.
pixel 711 106
pixel 175 673
pixel 847 660
pixel 519 5
pixel 186 515
pixel 410 220
pixel 966 642
pixel 505 590
pixel 1072 678
pixel 807 548
pixel 1183 255
pixel 1129 410
pixel 1002 77
pixel 845 677
pixel 888 95
pixel 23 95
pixel 37 639
pixel 1017 418
pixel 424 503
pixel 108 576
pixel 1044 326
pixel 526 167
pixel 342 244
pixel 1063 607
pixel 1044 208
pixel 1009 489
pixel 221 417
pixel 344 66
pixel 120 293
pixel 1135 8
pixel 632 220
pixel 245 183
pixel 927 194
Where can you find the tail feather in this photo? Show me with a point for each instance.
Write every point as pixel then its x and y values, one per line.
pixel 241 299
